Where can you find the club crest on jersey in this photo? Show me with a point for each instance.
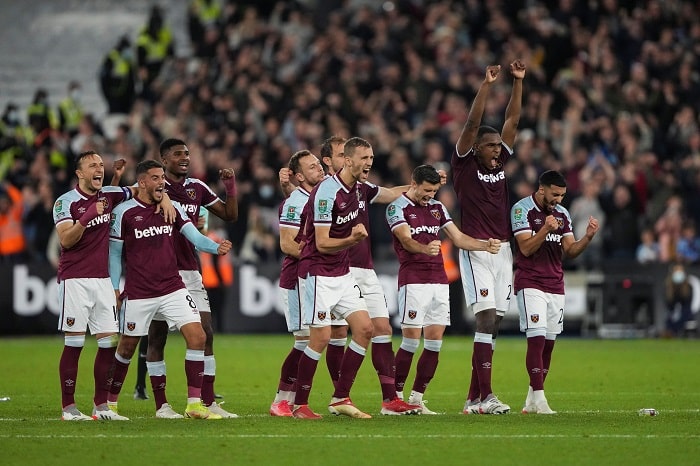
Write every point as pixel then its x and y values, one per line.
pixel 323 206
pixel 70 321
pixel 321 315
pixel 130 326
pixel 412 314
pixel 104 201
pixel 535 318
pixel 560 222
pixel 191 193
pixel 436 214
pixel 484 292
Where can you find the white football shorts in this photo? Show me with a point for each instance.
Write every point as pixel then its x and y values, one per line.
pixel 177 309
pixel 424 304
pixel 326 295
pixel 487 279
pixel 87 303
pixel 540 310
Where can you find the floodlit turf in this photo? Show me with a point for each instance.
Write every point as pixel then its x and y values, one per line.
pixel 597 386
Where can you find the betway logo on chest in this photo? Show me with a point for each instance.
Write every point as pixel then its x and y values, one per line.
pixel 190 208
pixel 491 178
pixel 104 218
pixel 425 229
pixel 153 231
pixel 553 237
pixel 351 216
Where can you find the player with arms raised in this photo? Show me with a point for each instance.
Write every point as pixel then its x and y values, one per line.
pixel 481 187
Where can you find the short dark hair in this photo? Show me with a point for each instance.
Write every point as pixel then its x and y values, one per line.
pixel 143 167
pixel 79 158
pixel 168 144
pixel 485 130
pixel 353 143
pixel 552 178
pixel 294 163
pixel 427 174
pixel 327 146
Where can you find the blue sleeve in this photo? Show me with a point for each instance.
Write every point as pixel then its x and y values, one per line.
pixel 200 241
pixel 115 262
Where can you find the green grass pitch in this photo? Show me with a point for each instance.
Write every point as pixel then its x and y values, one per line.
pixel 597 386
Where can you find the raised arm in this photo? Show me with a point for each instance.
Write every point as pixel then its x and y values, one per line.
pixel 70 233
pixel 118 168
pixel 468 243
pixel 227 210
pixel 510 126
pixel 572 248
pixel 387 195
pixel 327 245
pixel 529 243
pixel 286 185
pixel 471 127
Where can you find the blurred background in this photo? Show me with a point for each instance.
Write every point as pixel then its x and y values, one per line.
pixel 610 99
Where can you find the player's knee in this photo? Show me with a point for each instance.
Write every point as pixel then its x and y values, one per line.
pixel 339 331
pixel 364 331
pixel 195 338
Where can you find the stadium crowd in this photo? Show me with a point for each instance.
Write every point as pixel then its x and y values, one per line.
pixel 610 101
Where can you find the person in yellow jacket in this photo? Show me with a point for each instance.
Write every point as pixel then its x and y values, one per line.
pixel 203 17
pixel 154 45
pixel 70 111
pixel 41 119
pixel 118 78
pixel 12 242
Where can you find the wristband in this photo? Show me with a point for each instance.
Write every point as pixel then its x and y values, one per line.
pixel 230 186
pixel 89 214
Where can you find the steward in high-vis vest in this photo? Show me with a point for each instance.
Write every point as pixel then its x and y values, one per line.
pixel 70 112
pixel 40 117
pixel 202 15
pixel 154 45
pixel 118 78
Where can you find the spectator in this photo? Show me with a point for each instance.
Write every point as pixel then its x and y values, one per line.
pixel 679 295
pixel 38 223
pixel 117 77
pixel 622 235
pixel 688 247
pixel 648 249
pixel 582 208
pixel 668 228
pixel 154 45
pixel 70 110
pixel 12 241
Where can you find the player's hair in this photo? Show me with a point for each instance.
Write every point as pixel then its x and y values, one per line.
pixel 294 160
pixel 427 174
pixel 353 143
pixel 552 178
pixel 485 130
pixel 79 158
pixel 143 167
pixel 327 146
pixel 168 144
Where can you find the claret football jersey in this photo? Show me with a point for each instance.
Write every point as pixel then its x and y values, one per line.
pixel 425 223
pixel 88 258
pixel 148 248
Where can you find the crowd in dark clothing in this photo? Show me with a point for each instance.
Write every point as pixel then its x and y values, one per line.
pixel 610 99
